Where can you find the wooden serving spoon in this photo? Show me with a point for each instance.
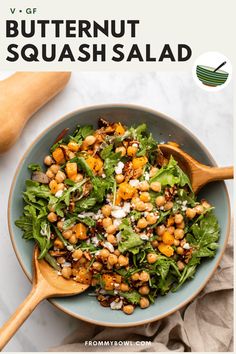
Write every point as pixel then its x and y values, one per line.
pixel 21 95
pixel 46 283
pixel 198 173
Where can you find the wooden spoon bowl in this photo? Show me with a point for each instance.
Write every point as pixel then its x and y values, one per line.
pixel 46 283
pixel 198 173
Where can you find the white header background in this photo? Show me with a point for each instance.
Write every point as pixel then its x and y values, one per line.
pixel 203 25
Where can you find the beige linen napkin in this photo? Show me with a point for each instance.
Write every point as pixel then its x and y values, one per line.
pixel 204 325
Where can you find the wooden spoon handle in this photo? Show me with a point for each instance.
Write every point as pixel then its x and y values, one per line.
pixel 21 314
pixel 219 173
pixel 21 95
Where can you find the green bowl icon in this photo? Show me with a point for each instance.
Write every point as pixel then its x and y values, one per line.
pixel 208 77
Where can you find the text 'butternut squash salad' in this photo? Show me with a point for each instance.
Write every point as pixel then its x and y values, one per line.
pixel 110 211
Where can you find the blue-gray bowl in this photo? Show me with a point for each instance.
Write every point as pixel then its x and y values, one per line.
pixel 164 129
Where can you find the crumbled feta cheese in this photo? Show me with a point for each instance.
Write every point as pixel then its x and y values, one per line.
pixel 70 248
pixel 132 218
pixel 116 305
pixel 119 237
pixel 97 253
pixel 59 193
pixel 95 240
pixel 109 246
pixel 144 237
pixel 103 175
pixel 85 214
pixel 135 145
pixel 126 207
pixel 118 213
pixel 116 222
pixel 66 264
pixel 186 246
pixel 146 176
pixel 88 241
pixel 119 168
pixel 134 182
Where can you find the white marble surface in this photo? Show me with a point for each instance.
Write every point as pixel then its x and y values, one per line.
pixel 208 115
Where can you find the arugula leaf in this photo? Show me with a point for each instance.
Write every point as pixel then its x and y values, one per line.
pixel 171 174
pixel 34 167
pixel 132 296
pixel 131 239
pixel 111 159
pixel 203 238
pixel 81 133
pixel 85 204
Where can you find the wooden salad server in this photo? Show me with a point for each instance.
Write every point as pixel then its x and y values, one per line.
pixel 46 283
pixel 21 95
pixel 198 173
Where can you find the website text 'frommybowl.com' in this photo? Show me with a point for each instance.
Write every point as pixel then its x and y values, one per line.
pixel 116 343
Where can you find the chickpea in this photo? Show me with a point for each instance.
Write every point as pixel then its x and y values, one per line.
pixel 89 140
pixel 60 177
pixel 145 197
pixel 180 250
pixel 106 222
pixel 151 219
pixel 155 243
pixel 117 252
pixel 160 230
pixel 61 260
pixel 73 146
pixel 176 242
pixel 111 238
pixel 77 177
pixel 171 229
pixel 48 160
pixel 168 205
pixel 155 186
pixel 77 254
pixel 50 174
pixel 152 258
pixel 199 209
pixel 66 272
pixel 120 178
pixel 144 303
pixel 111 229
pixel 122 150
pixel 67 234
pixel 143 186
pixel 140 206
pixel 149 206
pixel 135 277
pixel 132 150
pixel 160 200
pixel 144 290
pixel 153 171
pixel 123 261
pixel 55 168
pixel 144 276
pixel 124 287
pixel 142 223
pixel 181 225
pixel 71 155
pixel 52 217
pixel 178 218
pixel 60 187
pixel 128 309
pixel 58 244
pixel 205 204
pixel 60 225
pixel 179 234
pixel 190 213
pixel 180 265
pixel 106 210
pixel 112 259
pixel 97 266
pixel 73 239
pixel 104 253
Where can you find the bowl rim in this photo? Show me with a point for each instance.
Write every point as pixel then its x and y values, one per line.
pixel 116 106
